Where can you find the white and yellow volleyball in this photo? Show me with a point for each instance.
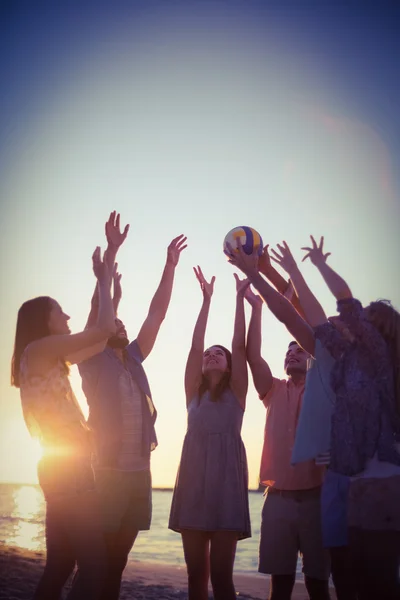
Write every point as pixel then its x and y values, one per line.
pixel 249 238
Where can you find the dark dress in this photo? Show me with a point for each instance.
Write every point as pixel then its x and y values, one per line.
pixel 211 490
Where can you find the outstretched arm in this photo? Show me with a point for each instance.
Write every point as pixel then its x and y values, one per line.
pixel 194 365
pixel 239 377
pixel 46 351
pixel 313 311
pixel 161 299
pixel 115 238
pixel 335 283
pixel 116 299
pixel 117 288
pixel 261 373
pixel 278 304
pixel 266 268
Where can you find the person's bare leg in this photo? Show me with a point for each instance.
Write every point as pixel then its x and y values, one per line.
pixel 197 557
pixel 222 558
pixel 60 556
pixel 282 587
pixel 118 547
pixel 84 528
pixel 318 589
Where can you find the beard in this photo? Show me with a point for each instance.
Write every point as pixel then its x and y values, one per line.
pixel 117 342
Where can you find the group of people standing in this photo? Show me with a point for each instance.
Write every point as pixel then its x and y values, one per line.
pixel 339 508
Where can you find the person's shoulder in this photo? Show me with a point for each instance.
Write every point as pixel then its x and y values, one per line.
pixel 278 387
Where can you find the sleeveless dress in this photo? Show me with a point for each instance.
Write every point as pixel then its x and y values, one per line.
pixel 211 490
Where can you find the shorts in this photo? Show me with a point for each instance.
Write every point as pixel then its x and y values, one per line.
pixel 334 506
pixel 125 498
pixel 291 523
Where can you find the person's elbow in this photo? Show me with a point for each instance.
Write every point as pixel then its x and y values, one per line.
pixel 253 357
pixel 344 294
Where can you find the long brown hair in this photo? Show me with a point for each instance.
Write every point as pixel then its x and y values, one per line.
pixel 223 384
pixel 387 320
pixel 32 324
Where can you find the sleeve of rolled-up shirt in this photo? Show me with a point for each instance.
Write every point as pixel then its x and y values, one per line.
pixel 134 351
pixel 277 386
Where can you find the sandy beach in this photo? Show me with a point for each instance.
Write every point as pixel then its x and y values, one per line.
pixel 21 569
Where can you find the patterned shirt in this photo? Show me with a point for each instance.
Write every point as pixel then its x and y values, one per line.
pixel 130 455
pixel 102 375
pixel 364 420
pixel 51 411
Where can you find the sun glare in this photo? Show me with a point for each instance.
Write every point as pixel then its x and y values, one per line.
pixel 20 454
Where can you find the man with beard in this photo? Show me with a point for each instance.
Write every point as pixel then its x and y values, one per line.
pixel 122 416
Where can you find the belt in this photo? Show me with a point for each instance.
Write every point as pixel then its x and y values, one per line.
pixel 298 495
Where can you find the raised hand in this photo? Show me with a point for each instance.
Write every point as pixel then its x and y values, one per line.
pixel 206 287
pixel 100 268
pixel 117 282
pixel 316 253
pixel 285 258
pixel 113 233
pixel 264 261
pixel 175 248
pixel 241 285
pixel 247 263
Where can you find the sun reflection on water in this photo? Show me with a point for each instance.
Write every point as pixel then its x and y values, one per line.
pixel 28 501
pixel 28 513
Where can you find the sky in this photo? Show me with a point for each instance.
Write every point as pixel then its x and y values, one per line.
pixel 190 117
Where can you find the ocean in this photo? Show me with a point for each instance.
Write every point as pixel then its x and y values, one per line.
pixel 22 513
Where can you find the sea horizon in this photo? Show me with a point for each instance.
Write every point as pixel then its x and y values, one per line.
pixel 154 488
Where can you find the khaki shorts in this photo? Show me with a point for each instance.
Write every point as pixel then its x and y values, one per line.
pixel 125 499
pixel 291 524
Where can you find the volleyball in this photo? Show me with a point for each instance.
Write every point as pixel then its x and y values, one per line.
pixel 249 238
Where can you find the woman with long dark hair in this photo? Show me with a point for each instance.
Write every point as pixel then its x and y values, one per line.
pixel 210 503
pixel 44 346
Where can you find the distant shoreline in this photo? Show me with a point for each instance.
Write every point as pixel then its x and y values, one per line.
pixel 155 489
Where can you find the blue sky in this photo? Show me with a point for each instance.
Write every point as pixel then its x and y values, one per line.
pixel 191 117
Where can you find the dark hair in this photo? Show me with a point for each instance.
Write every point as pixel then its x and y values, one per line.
pixel 386 319
pixel 225 379
pixel 293 343
pixel 32 324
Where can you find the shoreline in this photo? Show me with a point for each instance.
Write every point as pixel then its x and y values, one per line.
pixel 21 569
pixel 259 490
